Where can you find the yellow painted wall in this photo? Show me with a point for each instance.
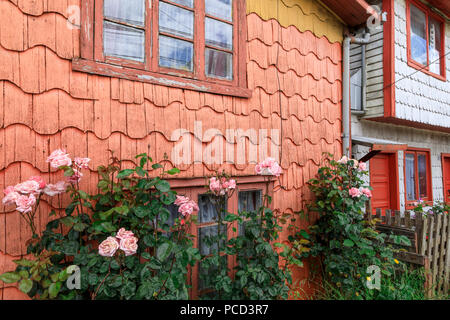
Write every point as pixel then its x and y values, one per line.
pixel 303 14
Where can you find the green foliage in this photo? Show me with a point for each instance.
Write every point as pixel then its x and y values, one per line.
pixel 345 242
pixel 261 271
pixel 127 198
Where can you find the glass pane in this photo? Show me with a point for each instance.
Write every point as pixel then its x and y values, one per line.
pixel 123 42
pixel 174 53
pixel 410 177
pixel 175 20
pixel 422 167
pixel 355 90
pixel 222 9
pixel 207 210
pixel 218 34
pixel 434 45
pixel 130 11
pixel 186 3
pixel 250 200
pixel 174 214
pixel 218 64
pixel 418 35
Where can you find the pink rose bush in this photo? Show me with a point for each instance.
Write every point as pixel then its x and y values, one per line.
pixel 222 186
pixel 124 240
pixel 268 167
pixel 186 206
pixel 354 192
pixel 362 166
pixel 367 192
pixel 59 158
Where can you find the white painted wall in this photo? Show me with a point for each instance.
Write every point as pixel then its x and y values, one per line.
pixel 420 97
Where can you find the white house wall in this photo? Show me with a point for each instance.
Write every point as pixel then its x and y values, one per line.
pixel 420 97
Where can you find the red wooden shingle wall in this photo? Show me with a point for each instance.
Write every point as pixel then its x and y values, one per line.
pixel 295 77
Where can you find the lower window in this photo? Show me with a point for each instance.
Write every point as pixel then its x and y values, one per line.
pixel 417 176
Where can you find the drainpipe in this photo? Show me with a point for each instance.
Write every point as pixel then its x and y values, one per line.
pixel 348 40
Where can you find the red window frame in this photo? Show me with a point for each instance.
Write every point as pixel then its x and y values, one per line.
pixel 429 198
pixel 411 62
pixel 446 192
pixel 93 60
pixel 193 188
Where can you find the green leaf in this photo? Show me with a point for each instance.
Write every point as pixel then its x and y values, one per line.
pixel 24 262
pixel 141 172
pixel 54 289
pixel 173 171
pixel 163 186
pixel 124 173
pixel 156 166
pixel 25 285
pixel 163 251
pixel 68 172
pixel 10 277
pixel 348 243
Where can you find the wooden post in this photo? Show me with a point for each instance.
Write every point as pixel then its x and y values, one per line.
pixel 407 219
pixel 388 217
pixel 447 256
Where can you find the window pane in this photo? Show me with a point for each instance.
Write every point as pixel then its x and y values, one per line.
pixel 410 177
pixel 249 200
pixel 218 64
pixel 222 9
pixel 175 20
pixel 186 3
pixel 434 36
pixel 355 90
pixel 130 11
pixel 422 167
pixel 219 34
pixel 123 42
pixel 418 35
pixel 174 53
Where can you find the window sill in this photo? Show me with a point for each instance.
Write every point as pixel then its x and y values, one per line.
pixel 104 69
pixel 423 69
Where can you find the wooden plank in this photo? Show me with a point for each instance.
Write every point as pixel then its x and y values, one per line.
pixel 429 232
pixel 442 252
pixel 408 219
pixel 447 258
pixel 410 257
pixel 388 217
pixel 436 239
pixel 378 214
pixel 398 218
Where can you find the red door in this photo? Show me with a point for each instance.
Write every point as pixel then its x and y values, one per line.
pixel 446 175
pixel 384 181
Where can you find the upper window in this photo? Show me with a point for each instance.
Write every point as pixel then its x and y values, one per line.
pixel 426 37
pixel 417 176
pixel 193 42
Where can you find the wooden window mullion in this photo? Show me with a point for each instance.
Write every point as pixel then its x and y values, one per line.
pixel 199 39
pixel 155 36
pixel 427 21
pixel 98 30
pixel 148 34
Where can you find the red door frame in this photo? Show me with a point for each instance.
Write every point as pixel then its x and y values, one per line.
pixel 394 186
pixel 444 176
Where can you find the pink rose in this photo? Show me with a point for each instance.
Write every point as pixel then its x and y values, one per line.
pixel 39 180
pixel 25 203
pixel 232 184
pixel 123 234
pixel 214 185
pixel 366 192
pixel 108 247
pixel 82 163
pixel 55 189
pixel 180 200
pixel 59 158
pixel 129 245
pixel 268 167
pixel 362 166
pixel 75 178
pixel 343 160
pixel 10 198
pixel 354 192
pixel 9 190
pixel 28 187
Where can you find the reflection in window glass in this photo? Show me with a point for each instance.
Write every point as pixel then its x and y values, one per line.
pixel 174 53
pixel 175 20
pixel 218 34
pixel 218 64
pixel 207 213
pixel 418 35
pixel 434 36
pixel 422 175
pixel 123 42
pixel 222 9
pixel 130 11
pixel 186 3
pixel 248 201
pixel 410 177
